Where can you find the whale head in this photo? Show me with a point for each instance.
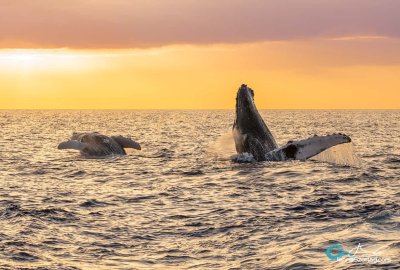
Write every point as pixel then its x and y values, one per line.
pixel 245 106
pixel 248 119
pixel 251 134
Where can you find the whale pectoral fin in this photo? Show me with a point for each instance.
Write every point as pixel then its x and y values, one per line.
pixel 313 146
pixel 127 142
pixel 72 144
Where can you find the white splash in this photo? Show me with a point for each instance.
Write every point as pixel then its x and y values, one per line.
pixel 342 154
pixel 223 147
pixel 243 158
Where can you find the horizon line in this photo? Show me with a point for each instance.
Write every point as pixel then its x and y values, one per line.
pixel 195 109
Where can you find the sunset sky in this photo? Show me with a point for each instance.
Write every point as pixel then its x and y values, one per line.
pixel 192 54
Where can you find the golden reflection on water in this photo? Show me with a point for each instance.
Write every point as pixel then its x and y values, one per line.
pixel 181 203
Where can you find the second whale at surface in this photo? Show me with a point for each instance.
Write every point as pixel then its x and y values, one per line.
pixel 96 145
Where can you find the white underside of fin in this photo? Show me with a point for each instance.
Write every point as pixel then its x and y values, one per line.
pixel 239 138
pixel 72 144
pixel 315 145
pixel 307 148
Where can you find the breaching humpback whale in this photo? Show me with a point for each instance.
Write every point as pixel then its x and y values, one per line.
pixel 96 144
pixel 252 135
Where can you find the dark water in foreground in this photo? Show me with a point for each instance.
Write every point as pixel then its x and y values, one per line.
pixel 182 204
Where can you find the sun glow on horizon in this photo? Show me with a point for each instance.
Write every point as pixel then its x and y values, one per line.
pixel 317 74
pixel 34 60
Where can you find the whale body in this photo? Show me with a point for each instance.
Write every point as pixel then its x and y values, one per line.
pixel 96 144
pixel 252 135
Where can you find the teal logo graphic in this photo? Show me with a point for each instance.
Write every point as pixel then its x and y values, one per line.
pixel 335 252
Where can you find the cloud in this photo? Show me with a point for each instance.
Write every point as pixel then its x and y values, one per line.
pixel 150 23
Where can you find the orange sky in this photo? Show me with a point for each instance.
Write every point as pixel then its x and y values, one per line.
pixel 77 55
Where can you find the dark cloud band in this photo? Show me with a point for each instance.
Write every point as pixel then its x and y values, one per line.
pixel 149 23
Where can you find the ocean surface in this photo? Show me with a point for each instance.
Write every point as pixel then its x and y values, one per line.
pixel 181 203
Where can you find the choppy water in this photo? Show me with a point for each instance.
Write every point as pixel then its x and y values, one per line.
pixel 182 204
